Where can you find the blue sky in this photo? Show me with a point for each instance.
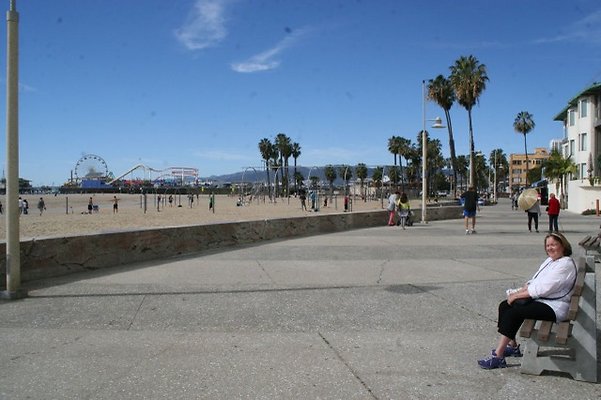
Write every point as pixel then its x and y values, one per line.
pixel 200 82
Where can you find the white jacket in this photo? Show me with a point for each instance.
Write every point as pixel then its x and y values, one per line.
pixel 553 285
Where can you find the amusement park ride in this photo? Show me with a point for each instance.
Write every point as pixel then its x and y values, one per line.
pixel 91 171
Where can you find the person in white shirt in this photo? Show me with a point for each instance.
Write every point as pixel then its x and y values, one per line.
pixel 544 297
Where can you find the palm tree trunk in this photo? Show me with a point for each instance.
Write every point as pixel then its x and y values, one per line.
pixel 472 181
pixel 268 184
pixel 295 185
pixel 396 179
pixel 452 150
pixel 402 175
pixel 526 154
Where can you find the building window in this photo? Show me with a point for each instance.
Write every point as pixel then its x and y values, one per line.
pixel 517 162
pixel 517 171
pixel 571 148
pixel 572 117
pixel 582 144
pixel 598 106
pixel 583 108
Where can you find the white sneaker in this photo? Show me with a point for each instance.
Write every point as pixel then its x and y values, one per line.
pixel 467 231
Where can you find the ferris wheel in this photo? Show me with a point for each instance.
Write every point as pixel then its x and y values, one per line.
pixel 91 166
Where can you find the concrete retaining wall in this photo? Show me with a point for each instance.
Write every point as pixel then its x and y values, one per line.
pixel 58 256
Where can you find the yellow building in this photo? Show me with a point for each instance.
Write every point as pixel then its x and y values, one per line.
pixel 517 166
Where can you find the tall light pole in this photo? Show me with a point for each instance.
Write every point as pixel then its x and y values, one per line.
pixel 13 249
pixel 494 188
pixel 437 124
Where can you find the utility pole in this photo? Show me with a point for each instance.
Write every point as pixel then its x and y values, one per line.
pixel 13 249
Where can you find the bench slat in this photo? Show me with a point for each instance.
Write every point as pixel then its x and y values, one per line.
pixel 544 330
pixel 581 274
pixel 573 310
pixel 585 242
pixel 527 328
pixel 563 331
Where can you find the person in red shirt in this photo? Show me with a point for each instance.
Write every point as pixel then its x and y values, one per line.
pixel 553 211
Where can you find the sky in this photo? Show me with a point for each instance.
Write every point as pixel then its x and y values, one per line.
pixel 198 83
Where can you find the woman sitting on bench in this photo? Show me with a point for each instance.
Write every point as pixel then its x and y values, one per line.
pixel 544 297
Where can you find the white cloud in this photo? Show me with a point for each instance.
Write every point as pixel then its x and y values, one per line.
pixel 587 29
pixel 204 26
pixel 265 61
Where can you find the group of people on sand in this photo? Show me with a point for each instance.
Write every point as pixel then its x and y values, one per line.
pixel 24 206
pixel 399 208
pixel 94 208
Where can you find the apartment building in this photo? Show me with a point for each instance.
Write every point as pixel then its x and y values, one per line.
pixel 517 166
pixel 581 120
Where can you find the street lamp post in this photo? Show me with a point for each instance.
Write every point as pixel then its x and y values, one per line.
pixel 437 124
pixel 494 188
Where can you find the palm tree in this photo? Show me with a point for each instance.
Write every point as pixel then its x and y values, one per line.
pixel 405 149
pixel 394 146
pixel 462 168
pixel 524 124
pixel 284 147
pixel 266 149
pixel 376 178
pixel 361 172
pixel 298 180
pixel 296 152
pixel 441 91
pixel 498 160
pixel 330 174
pixel 559 168
pixel 275 165
pixel 468 78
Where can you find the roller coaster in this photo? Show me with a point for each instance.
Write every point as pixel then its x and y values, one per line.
pixel 183 175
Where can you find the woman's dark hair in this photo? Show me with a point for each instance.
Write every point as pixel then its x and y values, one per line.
pixel 567 247
pixel 403 197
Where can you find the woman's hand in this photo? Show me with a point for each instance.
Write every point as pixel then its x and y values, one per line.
pixel 521 293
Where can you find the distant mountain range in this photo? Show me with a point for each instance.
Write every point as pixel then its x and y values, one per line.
pixel 251 175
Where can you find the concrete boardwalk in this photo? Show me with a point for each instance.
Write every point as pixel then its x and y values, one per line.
pixel 378 313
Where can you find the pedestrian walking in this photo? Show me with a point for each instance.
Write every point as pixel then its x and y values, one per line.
pixel 392 207
pixel 404 209
pixel 553 212
pixel 115 205
pixel 470 206
pixel 41 205
pixel 303 200
pixel 533 214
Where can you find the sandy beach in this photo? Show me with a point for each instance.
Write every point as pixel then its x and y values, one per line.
pixel 66 215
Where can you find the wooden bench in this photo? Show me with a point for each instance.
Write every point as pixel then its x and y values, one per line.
pixel 569 346
pixel 592 246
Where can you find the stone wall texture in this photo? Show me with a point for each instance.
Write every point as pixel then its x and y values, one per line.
pixel 50 257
